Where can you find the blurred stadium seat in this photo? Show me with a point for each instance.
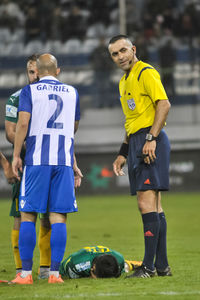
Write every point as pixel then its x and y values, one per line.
pixel 72 46
pixel 96 30
pixel 89 45
pixel 8 79
pixel 14 49
pixel 112 30
pixel 5 35
pixel 18 35
pixel 35 46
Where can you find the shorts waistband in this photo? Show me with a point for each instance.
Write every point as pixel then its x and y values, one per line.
pixel 146 129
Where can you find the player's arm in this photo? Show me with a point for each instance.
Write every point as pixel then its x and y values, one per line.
pixel 76 124
pixel 121 158
pixel 10 128
pixel 11 109
pixel 77 172
pixel 162 109
pixel 20 135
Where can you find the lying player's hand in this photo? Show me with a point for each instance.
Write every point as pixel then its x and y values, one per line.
pixel 118 165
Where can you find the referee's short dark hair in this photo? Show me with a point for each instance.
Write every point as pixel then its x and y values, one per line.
pixel 118 37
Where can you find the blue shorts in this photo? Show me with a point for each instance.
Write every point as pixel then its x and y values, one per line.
pixel 47 188
pixel 143 177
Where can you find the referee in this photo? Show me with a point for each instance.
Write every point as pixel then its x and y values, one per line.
pixel 145 106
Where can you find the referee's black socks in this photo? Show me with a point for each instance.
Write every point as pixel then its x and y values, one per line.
pixel 161 252
pixel 151 224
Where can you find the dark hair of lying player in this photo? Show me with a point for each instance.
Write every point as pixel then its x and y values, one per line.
pixel 105 266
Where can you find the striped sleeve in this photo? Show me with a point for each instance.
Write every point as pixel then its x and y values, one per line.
pixel 77 112
pixel 25 100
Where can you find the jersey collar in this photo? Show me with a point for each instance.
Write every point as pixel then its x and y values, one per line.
pixel 49 78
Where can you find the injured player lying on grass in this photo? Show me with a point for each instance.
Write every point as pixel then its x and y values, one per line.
pixel 96 262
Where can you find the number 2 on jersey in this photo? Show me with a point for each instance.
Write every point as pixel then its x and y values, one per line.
pixel 51 123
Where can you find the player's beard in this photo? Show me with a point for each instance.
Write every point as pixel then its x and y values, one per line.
pixel 36 80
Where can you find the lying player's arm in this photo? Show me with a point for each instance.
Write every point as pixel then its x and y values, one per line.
pixel 20 135
pixel 121 158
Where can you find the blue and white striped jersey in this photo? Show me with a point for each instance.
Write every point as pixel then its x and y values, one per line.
pixel 54 107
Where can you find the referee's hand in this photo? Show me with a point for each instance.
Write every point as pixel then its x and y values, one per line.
pixel 148 151
pixel 118 165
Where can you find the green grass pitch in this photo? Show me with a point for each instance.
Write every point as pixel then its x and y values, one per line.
pixel 114 221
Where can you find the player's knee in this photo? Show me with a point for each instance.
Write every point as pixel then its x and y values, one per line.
pixel 57 218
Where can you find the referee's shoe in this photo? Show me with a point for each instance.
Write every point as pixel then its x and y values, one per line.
pixel 166 272
pixel 142 272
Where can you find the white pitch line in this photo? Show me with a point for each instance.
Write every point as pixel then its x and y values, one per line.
pixel 72 296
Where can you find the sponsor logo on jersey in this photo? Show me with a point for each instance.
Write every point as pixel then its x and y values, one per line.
pixel 83 266
pixel 11 111
pixel 131 103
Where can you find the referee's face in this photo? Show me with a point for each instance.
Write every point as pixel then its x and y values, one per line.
pixel 123 54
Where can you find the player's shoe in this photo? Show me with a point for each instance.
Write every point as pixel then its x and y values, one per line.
pixel 18 274
pixel 54 279
pixel 166 272
pixel 20 280
pixel 142 272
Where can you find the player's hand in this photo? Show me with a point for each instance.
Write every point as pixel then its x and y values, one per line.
pixel 148 151
pixel 77 176
pixel 7 169
pixel 17 166
pixel 118 165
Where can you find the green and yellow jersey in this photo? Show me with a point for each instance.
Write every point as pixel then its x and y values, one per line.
pixel 12 107
pixel 79 263
pixel 138 95
pixel 11 115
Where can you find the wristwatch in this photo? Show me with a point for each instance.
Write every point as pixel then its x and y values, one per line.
pixel 150 137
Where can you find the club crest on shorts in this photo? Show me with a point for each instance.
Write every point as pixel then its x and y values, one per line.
pixel 131 103
pixel 75 204
pixel 22 203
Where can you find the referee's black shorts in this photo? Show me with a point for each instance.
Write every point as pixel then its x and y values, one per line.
pixel 143 177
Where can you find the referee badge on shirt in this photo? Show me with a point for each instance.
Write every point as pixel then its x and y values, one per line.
pixel 131 103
